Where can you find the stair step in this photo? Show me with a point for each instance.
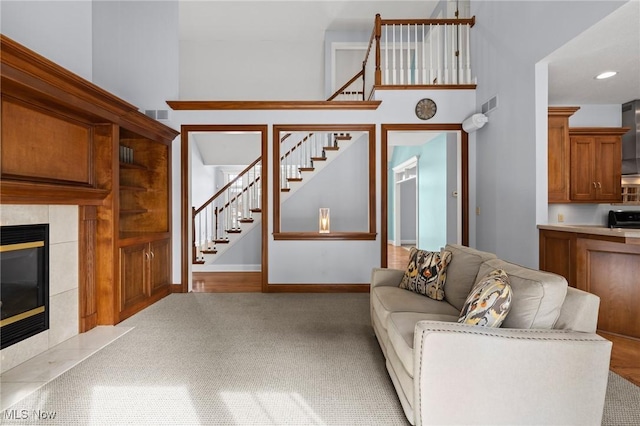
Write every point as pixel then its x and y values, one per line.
pixel 210 251
pixel 307 169
pixel 233 231
pixel 294 179
pixel 246 220
pixel 343 138
pixel 256 210
pixel 198 262
pixel 331 148
pixel 318 158
pixel 221 241
pixel 285 189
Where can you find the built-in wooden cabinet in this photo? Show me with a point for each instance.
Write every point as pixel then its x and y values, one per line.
pixel 145 274
pixel 559 150
pixel 596 164
pixel 61 144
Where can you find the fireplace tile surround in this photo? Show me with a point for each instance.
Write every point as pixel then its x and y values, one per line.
pixel 63 277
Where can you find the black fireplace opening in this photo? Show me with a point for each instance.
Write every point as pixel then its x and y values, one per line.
pixel 24 282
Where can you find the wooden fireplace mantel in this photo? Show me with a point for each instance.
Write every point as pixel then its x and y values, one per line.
pixel 61 141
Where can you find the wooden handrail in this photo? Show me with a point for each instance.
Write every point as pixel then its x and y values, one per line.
pixel 227 186
pixel 450 21
pixel 344 86
pixel 295 146
pixel 242 192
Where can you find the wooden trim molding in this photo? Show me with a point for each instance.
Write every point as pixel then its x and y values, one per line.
pixel 290 236
pixel 464 153
pixel 273 105
pixel 425 87
pixel 87 273
pixel 340 128
pixel 186 209
pixel 598 131
pixel 319 288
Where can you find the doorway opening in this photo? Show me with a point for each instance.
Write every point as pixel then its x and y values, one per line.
pixel 224 208
pixel 424 189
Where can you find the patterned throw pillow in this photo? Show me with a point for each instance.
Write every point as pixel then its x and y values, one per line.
pixel 426 272
pixel 489 301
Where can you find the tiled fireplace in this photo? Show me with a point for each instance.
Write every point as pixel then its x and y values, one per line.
pixel 63 277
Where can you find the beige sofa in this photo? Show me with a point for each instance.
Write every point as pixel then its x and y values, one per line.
pixel 545 365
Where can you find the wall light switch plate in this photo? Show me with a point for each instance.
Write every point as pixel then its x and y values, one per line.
pixel 560 218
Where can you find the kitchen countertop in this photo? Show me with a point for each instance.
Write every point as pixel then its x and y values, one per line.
pixel 594 230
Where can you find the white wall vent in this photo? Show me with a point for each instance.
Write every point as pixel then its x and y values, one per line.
pixel 490 105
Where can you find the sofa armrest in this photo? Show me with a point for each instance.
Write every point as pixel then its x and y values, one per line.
pixel 579 311
pixel 386 277
pixel 475 375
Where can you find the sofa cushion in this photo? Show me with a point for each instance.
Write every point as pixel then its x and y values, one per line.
pixel 462 272
pixel 386 300
pixel 489 301
pixel 401 327
pixel 426 272
pixel 536 297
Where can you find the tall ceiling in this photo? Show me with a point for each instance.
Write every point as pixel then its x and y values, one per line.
pixel 281 20
pixel 613 44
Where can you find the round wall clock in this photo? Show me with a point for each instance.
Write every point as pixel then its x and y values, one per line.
pixel 426 108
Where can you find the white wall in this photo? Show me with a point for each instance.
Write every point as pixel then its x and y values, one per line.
pixel 349 171
pixel 135 50
pixel 202 178
pixel 509 38
pixel 318 262
pixel 251 70
pixel 597 116
pixel 58 30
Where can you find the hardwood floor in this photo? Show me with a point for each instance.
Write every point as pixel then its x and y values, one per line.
pixel 227 282
pixel 625 357
pixel 397 257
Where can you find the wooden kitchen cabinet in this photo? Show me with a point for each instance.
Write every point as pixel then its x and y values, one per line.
pixel 559 150
pixel 601 261
pixel 596 161
pixel 558 254
pixel 610 270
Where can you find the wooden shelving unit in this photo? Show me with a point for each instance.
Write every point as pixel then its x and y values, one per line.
pixel 61 137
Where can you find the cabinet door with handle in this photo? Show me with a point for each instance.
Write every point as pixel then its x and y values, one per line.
pixel 160 265
pixel 608 171
pixel 583 182
pixel 133 275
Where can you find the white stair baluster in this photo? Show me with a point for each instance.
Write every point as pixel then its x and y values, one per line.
pixel 401 70
pixel 445 55
pixel 393 54
pixel 386 55
pixel 431 75
pixel 439 67
pixel 468 64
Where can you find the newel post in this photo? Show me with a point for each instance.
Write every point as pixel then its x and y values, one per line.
pixel 378 74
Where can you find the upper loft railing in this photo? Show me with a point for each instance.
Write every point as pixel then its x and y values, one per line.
pixel 405 53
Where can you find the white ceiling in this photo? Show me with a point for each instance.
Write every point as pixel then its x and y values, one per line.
pixel 280 20
pixel 611 44
pixel 228 148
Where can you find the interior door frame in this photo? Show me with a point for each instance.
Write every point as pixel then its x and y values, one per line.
pixel 397 201
pixel 384 176
pixel 185 208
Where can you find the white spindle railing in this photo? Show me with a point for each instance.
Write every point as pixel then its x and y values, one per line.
pixel 226 210
pixel 300 148
pixel 422 54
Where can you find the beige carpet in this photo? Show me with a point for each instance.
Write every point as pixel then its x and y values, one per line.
pixel 236 359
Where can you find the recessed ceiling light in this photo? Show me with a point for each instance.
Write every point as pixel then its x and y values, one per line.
pixel 606 74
